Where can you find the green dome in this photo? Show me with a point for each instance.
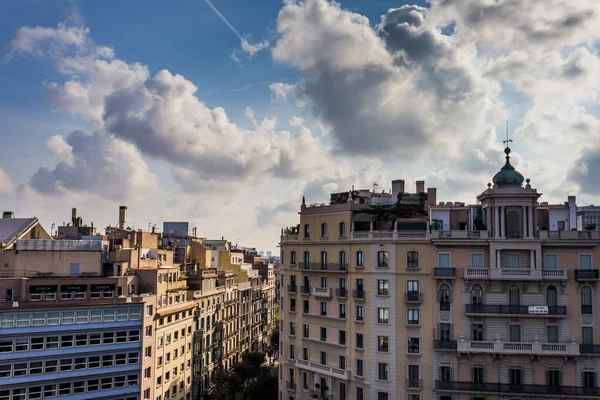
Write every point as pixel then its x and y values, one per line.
pixel 508 175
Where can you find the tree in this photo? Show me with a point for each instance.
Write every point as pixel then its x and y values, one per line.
pixel 273 345
pixel 248 380
pixel 590 227
pixel 226 386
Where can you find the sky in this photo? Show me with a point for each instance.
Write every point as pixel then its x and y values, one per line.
pixel 226 112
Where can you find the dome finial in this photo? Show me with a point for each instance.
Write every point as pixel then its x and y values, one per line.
pixel 508 175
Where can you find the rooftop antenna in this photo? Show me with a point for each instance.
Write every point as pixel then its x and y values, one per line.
pixel 507 141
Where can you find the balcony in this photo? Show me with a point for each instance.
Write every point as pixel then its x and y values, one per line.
pixel 413 297
pixel 290 385
pixel 534 390
pixel 444 273
pixel 569 235
pixel 292 289
pixel 305 290
pixel 508 310
pixel 555 274
pixel 471 235
pixel 520 274
pixel 445 344
pixel 589 348
pixel 586 275
pixel 414 384
pixel 516 348
pixel 333 372
pixel 324 267
pixel 358 294
pixel 322 292
pixel 341 293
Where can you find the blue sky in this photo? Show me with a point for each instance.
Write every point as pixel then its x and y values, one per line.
pixel 377 101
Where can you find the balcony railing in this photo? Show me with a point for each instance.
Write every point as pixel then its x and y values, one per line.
pixel 292 289
pixel 536 390
pixel 505 309
pixel 586 274
pixel 459 234
pixel 542 349
pixel 445 344
pixel 444 272
pixel 329 266
pixel 358 294
pixel 341 292
pixel 334 372
pixel 589 348
pixel 414 383
pixel 412 297
pixel 290 385
pixel 554 273
pixel 569 235
pixel 322 292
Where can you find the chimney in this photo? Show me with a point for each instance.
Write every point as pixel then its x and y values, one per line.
pixel 8 215
pixel 431 196
pixel 73 214
pixel 122 216
pixel 397 187
pixel 420 186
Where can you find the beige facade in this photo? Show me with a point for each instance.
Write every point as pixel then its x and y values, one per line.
pixel 475 302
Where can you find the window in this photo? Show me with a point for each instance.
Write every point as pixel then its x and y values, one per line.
pixel 323 358
pixel 342 391
pixel 412 259
pixel 514 298
pixel 324 230
pixel 551 296
pixel 550 261
pixel 306 231
pixel 589 379
pixel 444 297
pixel 292 354
pixel 445 331
pixel 342 337
pixel 383 315
pixel 515 375
pixel 304 380
pixel 585 261
pixel 414 346
pixel 292 329
pixel 148 351
pixel 305 306
pixel 342 260
pixel 305 330
pixel 342 313
pixel 383 344
pixel 414 376
pixel 553 377
pixel 478 374
pixel 383 371
pixel 323 260
pixel 444 260
pixel 359 340
pixel 445 373
pixel 342 362
pixel 147 373
pixel 382 259
pixel 586 300
pixel 514 261
pixel 293 257
pixel 477 332
pixel 413 317
pixel 587 335
pixel 359 259
pixel 149 311
pixel 342 229
pixel 360 313
pixel 292 305
pixel 323 334
pixel 324 282
pixel 305 353
pixel 359 367
pixel 412 286
pixel 306 260
pixel 382 396
pixel 323 308
pixel 477 295
pixel 383 287
pixel 552 331
pixel 476 260
pixel 514 333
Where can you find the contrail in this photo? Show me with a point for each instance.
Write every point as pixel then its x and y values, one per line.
pixel 225 20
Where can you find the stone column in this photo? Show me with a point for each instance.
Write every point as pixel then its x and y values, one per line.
pixel 531 227
pixel 496 222
pixel 498 259
pixel 524 222
pixel 502 222
pixel 488 217
pixel 532 258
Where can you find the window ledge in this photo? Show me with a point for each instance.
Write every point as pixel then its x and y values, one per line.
pixel 414 325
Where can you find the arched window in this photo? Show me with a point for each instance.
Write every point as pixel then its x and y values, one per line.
pixel 514 296
pixel 551 296
pixel 477 295
pixel 201 323
pixel 412 259
pixel 444 297
pixel 587 300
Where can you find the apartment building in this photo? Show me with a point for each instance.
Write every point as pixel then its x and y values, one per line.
pixel 507 286
pixel 355 300
pixel 516 310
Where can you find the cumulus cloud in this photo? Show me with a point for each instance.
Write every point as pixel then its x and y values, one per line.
pixel 38 41
pixel 7 185
pixel 584 172
pixel 281 91
pixel 96 164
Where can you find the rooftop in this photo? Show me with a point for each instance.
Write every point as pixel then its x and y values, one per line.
pixel 12 228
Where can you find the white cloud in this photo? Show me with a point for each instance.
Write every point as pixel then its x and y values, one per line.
pixel 281 91
pixel 252 49
pixel 37 41
pixel 7 186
